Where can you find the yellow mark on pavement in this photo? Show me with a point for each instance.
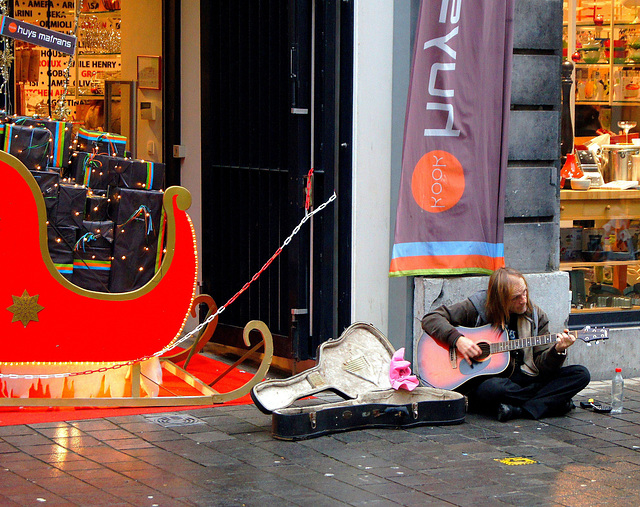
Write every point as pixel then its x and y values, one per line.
pixel 516 461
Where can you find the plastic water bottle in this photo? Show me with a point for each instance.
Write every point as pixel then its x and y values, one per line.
pixel 617 389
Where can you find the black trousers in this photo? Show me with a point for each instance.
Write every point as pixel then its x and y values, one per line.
pixel 541 396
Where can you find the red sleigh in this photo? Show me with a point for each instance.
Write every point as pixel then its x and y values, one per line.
pixel 56 326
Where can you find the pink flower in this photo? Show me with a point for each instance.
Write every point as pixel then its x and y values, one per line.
pixel 400 372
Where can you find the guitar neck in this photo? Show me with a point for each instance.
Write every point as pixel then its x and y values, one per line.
pixel 522 343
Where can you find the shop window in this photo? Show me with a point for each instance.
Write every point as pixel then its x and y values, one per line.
pixel 600 211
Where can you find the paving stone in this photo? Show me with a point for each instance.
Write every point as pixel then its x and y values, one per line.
pixel 5 448
pixel 583 459
pixel 78 441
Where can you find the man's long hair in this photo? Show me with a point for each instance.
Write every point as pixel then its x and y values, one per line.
pixel 499 294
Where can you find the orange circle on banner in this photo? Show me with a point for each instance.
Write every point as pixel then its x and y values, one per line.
pixel 437 183
pixel 12 27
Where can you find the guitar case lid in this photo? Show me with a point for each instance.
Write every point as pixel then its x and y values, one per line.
pixel 356 367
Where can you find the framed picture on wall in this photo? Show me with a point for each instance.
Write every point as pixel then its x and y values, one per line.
pixel 149 75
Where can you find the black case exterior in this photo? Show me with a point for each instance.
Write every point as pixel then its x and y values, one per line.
pixel 424 406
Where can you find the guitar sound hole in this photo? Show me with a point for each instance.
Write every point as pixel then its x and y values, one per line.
pixel 486 350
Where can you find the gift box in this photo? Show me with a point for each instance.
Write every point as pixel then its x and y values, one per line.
pixel 61 241
pixel 71 205
pixel 101 142
pixel 30 145
pixel 95 234
pixel 91 267
pixel 91 170
pixel 97 207
pixel 61 138
pixel 137 174
pixel 120 171
pixel 137 240
pixel 49 182
pixel 147 175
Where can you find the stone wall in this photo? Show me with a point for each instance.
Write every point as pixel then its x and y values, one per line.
pixel 532 227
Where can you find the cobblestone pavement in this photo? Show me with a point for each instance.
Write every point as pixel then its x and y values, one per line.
pixel 225 455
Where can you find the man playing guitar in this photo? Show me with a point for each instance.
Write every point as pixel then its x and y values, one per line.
pixel 535 383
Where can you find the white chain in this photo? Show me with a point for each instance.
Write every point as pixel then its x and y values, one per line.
pixel 177 342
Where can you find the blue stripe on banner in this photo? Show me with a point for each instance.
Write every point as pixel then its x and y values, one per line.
pixel 92 268
pixel 447 248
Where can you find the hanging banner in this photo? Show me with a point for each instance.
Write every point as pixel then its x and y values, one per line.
pixel 34 34
pixel 450 214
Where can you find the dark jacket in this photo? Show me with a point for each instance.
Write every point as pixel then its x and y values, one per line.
pixel 441 324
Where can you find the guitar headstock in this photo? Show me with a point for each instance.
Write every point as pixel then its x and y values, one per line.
pixel 590 334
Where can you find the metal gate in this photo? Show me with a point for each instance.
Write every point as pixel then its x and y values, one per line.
pixel 261 101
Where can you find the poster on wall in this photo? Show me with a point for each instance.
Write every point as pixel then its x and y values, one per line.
pixel 450 213
pixel 97 58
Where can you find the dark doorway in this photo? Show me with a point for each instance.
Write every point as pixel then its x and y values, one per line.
pixel 276 99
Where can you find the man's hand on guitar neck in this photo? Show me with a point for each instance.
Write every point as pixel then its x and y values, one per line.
pixel 564 341
pixel 467 349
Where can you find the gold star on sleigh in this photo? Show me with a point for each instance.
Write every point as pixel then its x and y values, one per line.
pixel 25 308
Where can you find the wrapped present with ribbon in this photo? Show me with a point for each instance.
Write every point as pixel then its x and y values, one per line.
pixel 107 143
pixel 137 174
pixel 61 241
pixel 138 240
pixel 49 183
pixel 147 175
pixel 61 145
pixel 71 205
pixel 97 206
pixel 120 171
pixel 91 170
pixel 93 255
pixel 91 266
pixel 95 234
pixel 30 145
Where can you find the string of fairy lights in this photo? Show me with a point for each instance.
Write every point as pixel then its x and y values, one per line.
pixel 188 335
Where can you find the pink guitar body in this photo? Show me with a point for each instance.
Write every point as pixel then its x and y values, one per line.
pixel 443 368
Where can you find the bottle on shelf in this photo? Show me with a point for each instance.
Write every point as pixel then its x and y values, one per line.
pixel 617 392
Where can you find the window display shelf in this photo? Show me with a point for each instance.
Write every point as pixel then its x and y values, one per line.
pixel 606 53
pixel 599 204
pixel 599 309
pixel 604 216
pixel 567 266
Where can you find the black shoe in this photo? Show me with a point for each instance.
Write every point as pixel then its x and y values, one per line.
pixel 508 412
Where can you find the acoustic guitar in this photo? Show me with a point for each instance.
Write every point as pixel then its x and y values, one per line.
pixel 441 366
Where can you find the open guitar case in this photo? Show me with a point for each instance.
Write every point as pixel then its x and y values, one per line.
pixel 356 367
